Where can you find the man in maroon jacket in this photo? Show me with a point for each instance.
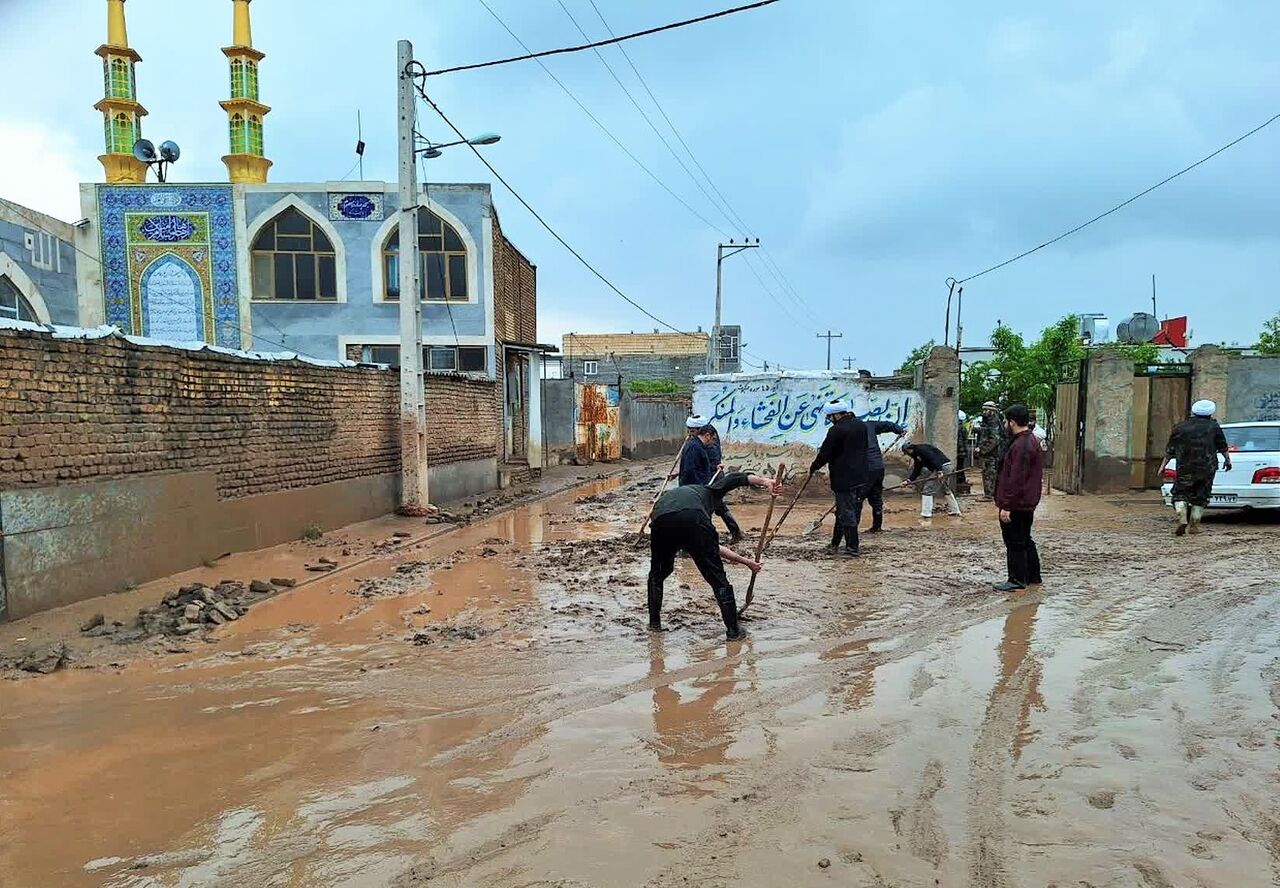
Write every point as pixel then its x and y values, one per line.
pixel 1018 489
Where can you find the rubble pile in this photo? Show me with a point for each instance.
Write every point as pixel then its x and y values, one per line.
pixel 189 609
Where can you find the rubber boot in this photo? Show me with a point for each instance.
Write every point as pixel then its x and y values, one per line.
pixel 1197 512
pixel 877 523
pixel 655 606
pixel 837 534
pixel 926 506
pixel 735 532
pixel 1181 527
pixel 729 613
pixel 953 505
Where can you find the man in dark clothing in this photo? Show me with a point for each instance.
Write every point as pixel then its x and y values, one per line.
pixel 875 476
pixel 927 459
pixel 845 451
pixel 992 441
pixel 695 460
pixel 716 456
pixel 1017 495
pixel 1195 443
pixel 682 520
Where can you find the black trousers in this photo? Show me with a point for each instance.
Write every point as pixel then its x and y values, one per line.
pixel 848 516
pixel 722 510
pixel 693 532
pixel 1020 549
pixel 875 496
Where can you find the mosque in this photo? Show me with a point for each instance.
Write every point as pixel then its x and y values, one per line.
pixel 304 267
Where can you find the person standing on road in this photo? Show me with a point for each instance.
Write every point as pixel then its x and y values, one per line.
pixel 875 469
pixel 695 459
pixel 1195 443
pixel 682 521
pixel 845 451
pixel 716 457
pixel 926 458
pixel 1017 495
pixel 991 446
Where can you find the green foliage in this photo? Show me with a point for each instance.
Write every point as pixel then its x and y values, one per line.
pixel 1023 374
pixel 1269 338
pixel 1137 353
pixel 656 387
pixel 915 358
pixel 312 532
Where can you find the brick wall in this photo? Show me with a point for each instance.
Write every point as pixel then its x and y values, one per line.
pixel 75 410
pixel 515 319
pixel 462 414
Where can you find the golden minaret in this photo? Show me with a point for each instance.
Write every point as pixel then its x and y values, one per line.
pixel 247 161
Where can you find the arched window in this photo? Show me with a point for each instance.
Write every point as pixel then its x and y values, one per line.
pixel 239 135
pixel 293 259
pixel 238 81
pixel 251 79
pixel 255 136
pixel 12 304
pixel 122 136
pixel 120 85
pixel 442 261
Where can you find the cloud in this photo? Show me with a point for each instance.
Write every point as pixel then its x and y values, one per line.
pixel 42 168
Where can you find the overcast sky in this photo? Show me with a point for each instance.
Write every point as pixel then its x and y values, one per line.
pixel 876 149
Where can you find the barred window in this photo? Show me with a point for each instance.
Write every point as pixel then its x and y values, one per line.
pixel 293 259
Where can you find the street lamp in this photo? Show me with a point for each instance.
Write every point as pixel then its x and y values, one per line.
pixel 433 150
pixel 733 249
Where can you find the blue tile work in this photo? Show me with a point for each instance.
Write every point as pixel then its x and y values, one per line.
pixel 187 232
pixel 356 207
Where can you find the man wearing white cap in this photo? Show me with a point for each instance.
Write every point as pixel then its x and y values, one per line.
pixel 845 451
pixel 1195 443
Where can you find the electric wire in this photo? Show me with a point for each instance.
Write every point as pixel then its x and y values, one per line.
pixel 223 324
pixel 530 54
pixel 1123 203
pixel 604 129
pixel 426 190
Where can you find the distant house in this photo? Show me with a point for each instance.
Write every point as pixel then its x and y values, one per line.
pixel 604 357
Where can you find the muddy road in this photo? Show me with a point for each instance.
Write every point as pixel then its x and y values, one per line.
pixel 485 708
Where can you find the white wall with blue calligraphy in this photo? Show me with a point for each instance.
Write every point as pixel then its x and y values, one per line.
pixel 783 409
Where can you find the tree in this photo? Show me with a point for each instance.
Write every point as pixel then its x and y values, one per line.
pixel 1269 338
pixel 915 358
pixel 1135 352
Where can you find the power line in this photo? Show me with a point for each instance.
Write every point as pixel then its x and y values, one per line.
pixel 550 52
pixel 1124 203
pixel 543 222
pixel 732 214
pixel 604 129
pixel 223 324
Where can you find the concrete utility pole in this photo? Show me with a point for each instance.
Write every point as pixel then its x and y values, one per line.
pixel 848 363
pixel 713 358
pixel 413 412
pixel 830 336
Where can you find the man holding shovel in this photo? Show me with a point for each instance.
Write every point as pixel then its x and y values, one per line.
pixel 845 451
pixel 682 520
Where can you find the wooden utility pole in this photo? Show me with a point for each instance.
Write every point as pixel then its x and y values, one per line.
pixel 830 336
pixel 414 497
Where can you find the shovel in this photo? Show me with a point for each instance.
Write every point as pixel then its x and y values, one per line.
pixel 661 490
pixel 816 524
pixel 764 532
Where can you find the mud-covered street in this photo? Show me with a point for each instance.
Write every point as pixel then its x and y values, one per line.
pixel 482 706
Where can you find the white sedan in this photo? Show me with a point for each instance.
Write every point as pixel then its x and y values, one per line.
pixel 1254 479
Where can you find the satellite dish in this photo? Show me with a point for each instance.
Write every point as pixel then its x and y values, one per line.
pixel 144 151
pixel 1143 327
pixel 170 151
pixel 1122 331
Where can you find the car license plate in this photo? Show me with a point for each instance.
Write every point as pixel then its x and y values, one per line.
pixel 1223 498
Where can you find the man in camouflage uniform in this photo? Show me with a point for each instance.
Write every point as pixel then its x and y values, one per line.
pixel 1195 443
pixel 991 445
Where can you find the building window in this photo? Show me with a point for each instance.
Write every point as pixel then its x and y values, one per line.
pixel 239 135
pixel 442 261
pixel 255 136
pixel 121 135
pixel 237 79
pixel 437 358
pixel 12 304
pixel 293 259
pixel 728 348
pixel 251 78
pixel 590 368
pixel 119 77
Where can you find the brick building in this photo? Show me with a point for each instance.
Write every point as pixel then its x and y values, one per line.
pixel 603 357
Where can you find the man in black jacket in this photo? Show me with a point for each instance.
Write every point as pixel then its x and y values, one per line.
pixel 937 466
pixel 845 451
pixel 682 520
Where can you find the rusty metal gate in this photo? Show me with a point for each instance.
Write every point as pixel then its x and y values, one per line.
pixel 1068 429
pixel 599 435
pixel 1161 400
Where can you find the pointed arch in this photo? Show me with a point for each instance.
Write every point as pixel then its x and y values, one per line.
pixel 25 289
pixel 239 135
pixel 388 233
pixel 324 241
